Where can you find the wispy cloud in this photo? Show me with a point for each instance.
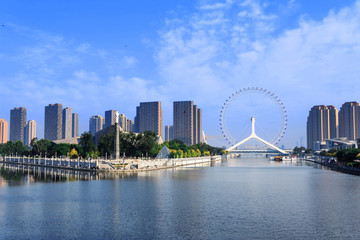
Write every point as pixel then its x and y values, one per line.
pixel 50 68
pixel 313 63
pixel 203 56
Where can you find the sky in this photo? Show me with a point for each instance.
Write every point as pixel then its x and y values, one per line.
pixel 97 55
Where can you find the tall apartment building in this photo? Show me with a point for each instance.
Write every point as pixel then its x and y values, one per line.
pixel 53 122
pixel 17 124
pixel 130 125
pixel 149 117
pixel 333 121
pixel 110 118
pixel 168 133
pixel 96 123
pixel 123 122
pixel 30 132
pixel 187 122
pixel 322 124
pixel 349 121
pixel 75 125
pixel 67 123
pixel 136 120
pixel 3 131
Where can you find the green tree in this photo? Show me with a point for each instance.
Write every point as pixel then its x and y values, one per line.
pixel 73 153
pixel 298 150
pixel 148 144
pixel 35 148
pixel 87 144
pixel 61 149
pixel 45 146
pixel 19 148
pixel 309 151
pixel 347 155
pixel 106 145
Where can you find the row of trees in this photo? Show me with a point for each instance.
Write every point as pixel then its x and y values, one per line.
pixel 179 150
pixel 131 145
pixel 44 147
pixel 302 150
pixel 343 155
pixel 138 145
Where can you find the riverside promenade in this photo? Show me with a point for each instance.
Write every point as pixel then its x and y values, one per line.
pixel 334 165
pixel 102 165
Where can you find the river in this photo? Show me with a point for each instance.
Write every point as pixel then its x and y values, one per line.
pixel 244 198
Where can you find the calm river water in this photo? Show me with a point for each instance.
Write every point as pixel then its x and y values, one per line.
pixel 246 198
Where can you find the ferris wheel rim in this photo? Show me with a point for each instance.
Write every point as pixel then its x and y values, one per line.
pixel 280 105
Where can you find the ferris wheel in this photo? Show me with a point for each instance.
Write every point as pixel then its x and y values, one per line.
pixel 281 125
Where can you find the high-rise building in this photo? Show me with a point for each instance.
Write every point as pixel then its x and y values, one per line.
pixel 75 125
pixel 96 123
pixel 322 124
pixel 3 131
pixel 199 126
pixel 30 132
pixel 123 122
pixel 349 120
pixel 136 120
pixel 53 122
pixel 168 133
pixel 195 124
pixel 187 122
pixel 67 123
pixel 333 122
pixel 130 125
pixel 149 117
pixel 17 124
pixel 110 118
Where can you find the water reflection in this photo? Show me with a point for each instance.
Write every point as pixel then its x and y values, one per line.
pixel 15 175
pixel 235 199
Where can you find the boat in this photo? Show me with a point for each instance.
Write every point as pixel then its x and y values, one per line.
pixel 283 158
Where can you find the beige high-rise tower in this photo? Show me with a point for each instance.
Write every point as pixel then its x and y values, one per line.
pixel 67 123
pixel 3 131
pixel 322 123
pixel 123 122
pixel 96 123
pixel 333 121
pixel 30 132
pixel 349 120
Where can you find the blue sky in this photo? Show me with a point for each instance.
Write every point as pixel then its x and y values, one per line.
pixel 99 55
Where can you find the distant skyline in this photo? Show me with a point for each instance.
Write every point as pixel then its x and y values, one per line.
pixel 95 56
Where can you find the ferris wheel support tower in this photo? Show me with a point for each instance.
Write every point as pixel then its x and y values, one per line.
pixel 253 136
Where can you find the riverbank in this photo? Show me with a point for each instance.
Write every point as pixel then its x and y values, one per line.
pixel 101 165
pixel 335 166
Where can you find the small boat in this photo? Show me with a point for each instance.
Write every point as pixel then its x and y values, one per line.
pixel 283 158
pixel 289 158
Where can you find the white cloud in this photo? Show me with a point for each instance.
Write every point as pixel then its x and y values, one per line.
pixel 51 69
pixel 222 47
pixel 218 5
pixel 129 61
pixel 314 63
pixel 102 53
pixel 83 48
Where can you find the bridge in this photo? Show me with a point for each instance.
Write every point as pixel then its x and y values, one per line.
pixel 253 136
